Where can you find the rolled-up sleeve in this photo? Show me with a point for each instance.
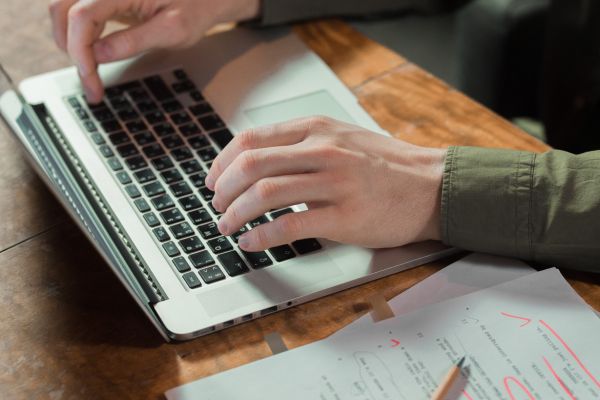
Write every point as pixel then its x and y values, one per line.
pixel 537 207
pixel 282 11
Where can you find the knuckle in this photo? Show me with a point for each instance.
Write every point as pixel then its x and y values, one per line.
pixel 290 225
pixel 248 162
pixel 329 151
pixel 247 139
pixel 79 13
pixel 261 238
pixel 265 189
pixel 319 122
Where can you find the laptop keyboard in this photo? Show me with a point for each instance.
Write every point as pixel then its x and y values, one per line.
pixel 159 137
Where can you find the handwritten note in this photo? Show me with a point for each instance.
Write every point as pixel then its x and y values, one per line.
pixel 530 338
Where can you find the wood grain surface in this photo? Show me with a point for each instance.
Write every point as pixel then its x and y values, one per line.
pixel 70 330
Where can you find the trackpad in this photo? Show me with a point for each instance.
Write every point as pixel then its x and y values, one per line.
pixel 317 103
pixel 274 284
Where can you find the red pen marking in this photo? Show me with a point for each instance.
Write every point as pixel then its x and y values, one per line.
pixel 395 343
pixel 467 395
pixel 523 388
pixel 566 346
pixel 560 381
pixel 527 320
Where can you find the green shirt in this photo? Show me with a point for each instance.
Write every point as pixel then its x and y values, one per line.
pixel 536 207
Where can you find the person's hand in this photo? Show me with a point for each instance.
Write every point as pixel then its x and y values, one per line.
pixel 360 187
pixel 78 26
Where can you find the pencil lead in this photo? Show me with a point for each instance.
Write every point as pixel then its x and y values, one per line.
pixel 460 363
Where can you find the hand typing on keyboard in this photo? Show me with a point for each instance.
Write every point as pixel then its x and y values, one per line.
pixel 153 24
pixel 360 188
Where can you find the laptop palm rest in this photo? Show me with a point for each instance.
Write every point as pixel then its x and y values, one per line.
pixel 275 285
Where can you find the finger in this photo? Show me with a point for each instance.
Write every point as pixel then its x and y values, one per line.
pixel 253 165
pixel 286 133
pixel 86 23
pixel 129 42
pixel 59 10
pixel 289 228
pixel 270 194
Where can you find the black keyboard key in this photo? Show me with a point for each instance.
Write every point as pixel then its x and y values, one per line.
pixel 142 205
pixel 171 249
pixel 103 114
pixel 139 95
pixel 106 151
pixel 182 230
pixel 82 114
pixel 146 106
pixel 172 216
pixel 153 189
pixel 236 236
pixel 155 117
pixel 127 150
pixel 180 74
pixel 197 142
pixel 162 163
pixel 124 178
pixel 282 253
pixel 191 167
pixel 190 129
pixel 198 180
pixel 180 189
pixel 191 245
pixel 209 230
pixel 74 102
pixel 196 96
pixel 151 220
pixel 305 246
pixel 153 150
pixel 220 245
pixel 172 142
pixel 202 259
pixel 162 202
pixel 233 263
pixel 211 122
pixel 222 137
pixel 158 88
pixel 115 164
pixel 207 154
pixel 211 274
pixel 164 129
pixel 207 194
pixel 111 125
pixel 182 154
pixel 191 279
pixel 144 138
pixel 181 264
pixel 279 213
pixel 213 209
pixel 119 138
pixel 200 216
pixel 259 221
pixel 201 109
pixel 144 176
pixel 90 126
pixel 190 203
pixel 97 138
pixel 180 118
pixel 132 191
pixel 258 259
pixel 136 126
pixel 161 234
pixel 136 163
pixel 171 176
pixel 172 106
pixel 184 86
pixel 120 103
pixel 128 114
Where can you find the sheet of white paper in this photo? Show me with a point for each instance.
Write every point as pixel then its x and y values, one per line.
pixel 530 338
pixel 472 273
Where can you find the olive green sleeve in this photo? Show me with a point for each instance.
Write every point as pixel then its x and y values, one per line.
pixel 283 11
pixel 536 207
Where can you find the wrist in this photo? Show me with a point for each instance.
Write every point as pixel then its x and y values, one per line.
pixel 436 161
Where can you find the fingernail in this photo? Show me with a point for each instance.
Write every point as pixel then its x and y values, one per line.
pixel 243 242
pixel 83 70
pixel 216 204
pixel 223 227
pixel 209 182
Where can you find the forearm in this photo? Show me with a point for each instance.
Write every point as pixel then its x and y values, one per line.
pixel 538 207
pixel 283 11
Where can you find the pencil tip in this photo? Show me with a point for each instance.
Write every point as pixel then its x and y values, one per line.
pixel 460 363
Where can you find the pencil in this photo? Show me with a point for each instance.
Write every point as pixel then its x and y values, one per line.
pixel 444 387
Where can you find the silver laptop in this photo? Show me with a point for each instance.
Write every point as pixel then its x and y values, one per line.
pixel 131 173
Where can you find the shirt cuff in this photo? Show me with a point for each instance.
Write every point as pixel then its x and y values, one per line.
pixel 486 200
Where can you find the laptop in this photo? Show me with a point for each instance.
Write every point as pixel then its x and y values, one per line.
pixel 131 171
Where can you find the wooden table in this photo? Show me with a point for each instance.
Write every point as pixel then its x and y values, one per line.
pixel 70 331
